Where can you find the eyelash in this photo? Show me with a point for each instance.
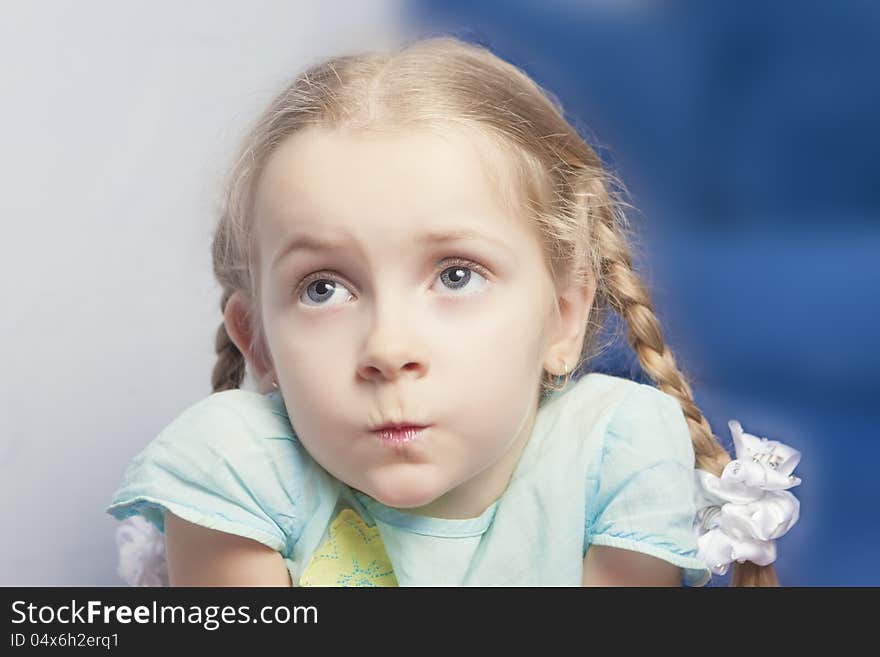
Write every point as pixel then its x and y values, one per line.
pixel 443 266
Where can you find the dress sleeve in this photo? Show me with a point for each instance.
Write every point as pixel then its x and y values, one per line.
pixel 644 495
pixel 229 463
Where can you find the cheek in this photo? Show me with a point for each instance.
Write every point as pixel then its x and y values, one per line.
pixel 309 365
pixel 315 418
pixel 492 412
pixel 497 346
pixel 311 381
pixel 491 377
pixel 310 349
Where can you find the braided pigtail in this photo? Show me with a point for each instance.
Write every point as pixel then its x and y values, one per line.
pixel 627 295
pixel 230 366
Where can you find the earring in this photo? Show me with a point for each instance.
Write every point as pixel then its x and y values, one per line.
pixel 274 383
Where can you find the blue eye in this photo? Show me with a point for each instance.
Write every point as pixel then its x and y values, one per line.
pixel 324 286
pixel 458 277
pixel 324 289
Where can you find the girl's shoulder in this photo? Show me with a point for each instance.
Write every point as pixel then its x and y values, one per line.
pixel 619 395
pixel 231 411
pixel 641 492
pixel 619 410
pixel 230 461
pixel 243 427
pixel 244 433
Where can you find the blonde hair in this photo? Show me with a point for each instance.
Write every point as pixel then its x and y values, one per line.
pixel 558 182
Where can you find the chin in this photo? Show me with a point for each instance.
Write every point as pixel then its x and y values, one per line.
pixel 402 496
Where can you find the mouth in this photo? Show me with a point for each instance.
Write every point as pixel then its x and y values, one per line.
pixel 398 434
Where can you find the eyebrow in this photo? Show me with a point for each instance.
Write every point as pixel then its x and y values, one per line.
pixel 313 243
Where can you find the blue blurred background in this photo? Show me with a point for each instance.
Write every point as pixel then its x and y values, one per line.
pixel 746 135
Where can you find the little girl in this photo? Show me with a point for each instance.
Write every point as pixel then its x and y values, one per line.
pixel 417 253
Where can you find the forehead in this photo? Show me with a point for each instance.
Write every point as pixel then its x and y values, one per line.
pixel 393 183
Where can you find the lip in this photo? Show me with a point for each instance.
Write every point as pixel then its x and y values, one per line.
pixel 399 434
pixel 399 425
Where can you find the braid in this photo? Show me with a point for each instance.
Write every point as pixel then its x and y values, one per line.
pixel 230 367
pixel 629 298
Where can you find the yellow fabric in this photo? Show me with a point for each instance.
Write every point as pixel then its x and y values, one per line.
pixel 353 555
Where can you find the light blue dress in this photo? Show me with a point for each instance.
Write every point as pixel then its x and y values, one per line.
pixel 609 462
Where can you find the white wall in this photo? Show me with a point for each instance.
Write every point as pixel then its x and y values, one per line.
pixel 118 124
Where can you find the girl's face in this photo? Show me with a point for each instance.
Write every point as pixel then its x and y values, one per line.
pixel 396 288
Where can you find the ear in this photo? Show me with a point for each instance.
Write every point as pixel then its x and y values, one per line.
pixel 567 339
pixel 236 317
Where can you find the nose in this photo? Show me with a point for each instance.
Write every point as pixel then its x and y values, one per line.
pixel 390 351
pixel 387 369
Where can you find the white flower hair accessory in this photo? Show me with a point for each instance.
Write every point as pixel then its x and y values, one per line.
pixel 141 549
pixel 741 513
